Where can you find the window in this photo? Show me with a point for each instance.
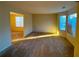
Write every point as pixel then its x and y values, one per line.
pixel 19 21
pixel 72 23
pixel 63 22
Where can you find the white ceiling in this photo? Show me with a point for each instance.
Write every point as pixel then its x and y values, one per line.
pixel 42 7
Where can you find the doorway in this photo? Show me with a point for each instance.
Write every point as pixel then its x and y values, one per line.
pixel 17 25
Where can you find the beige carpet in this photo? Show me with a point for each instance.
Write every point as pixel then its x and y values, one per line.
pixel 42 47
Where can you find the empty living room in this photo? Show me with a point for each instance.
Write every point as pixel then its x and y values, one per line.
pixel 39 29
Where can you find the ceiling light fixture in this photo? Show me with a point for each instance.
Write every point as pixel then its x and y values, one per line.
pixel 63 7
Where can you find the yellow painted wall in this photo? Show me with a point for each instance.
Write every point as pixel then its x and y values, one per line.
pixel 74 40
pixel 77 39
pixel 13 22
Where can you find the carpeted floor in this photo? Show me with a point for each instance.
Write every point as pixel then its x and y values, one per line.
pixel 37 34
pixel 42 47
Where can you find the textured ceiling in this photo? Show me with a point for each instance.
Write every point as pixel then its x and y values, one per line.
pixel 42 7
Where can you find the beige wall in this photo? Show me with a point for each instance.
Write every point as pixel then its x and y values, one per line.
pixel 27 24
pixel 5 32
pixel 45 23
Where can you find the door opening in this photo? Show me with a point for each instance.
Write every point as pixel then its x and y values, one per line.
pixel 17 25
